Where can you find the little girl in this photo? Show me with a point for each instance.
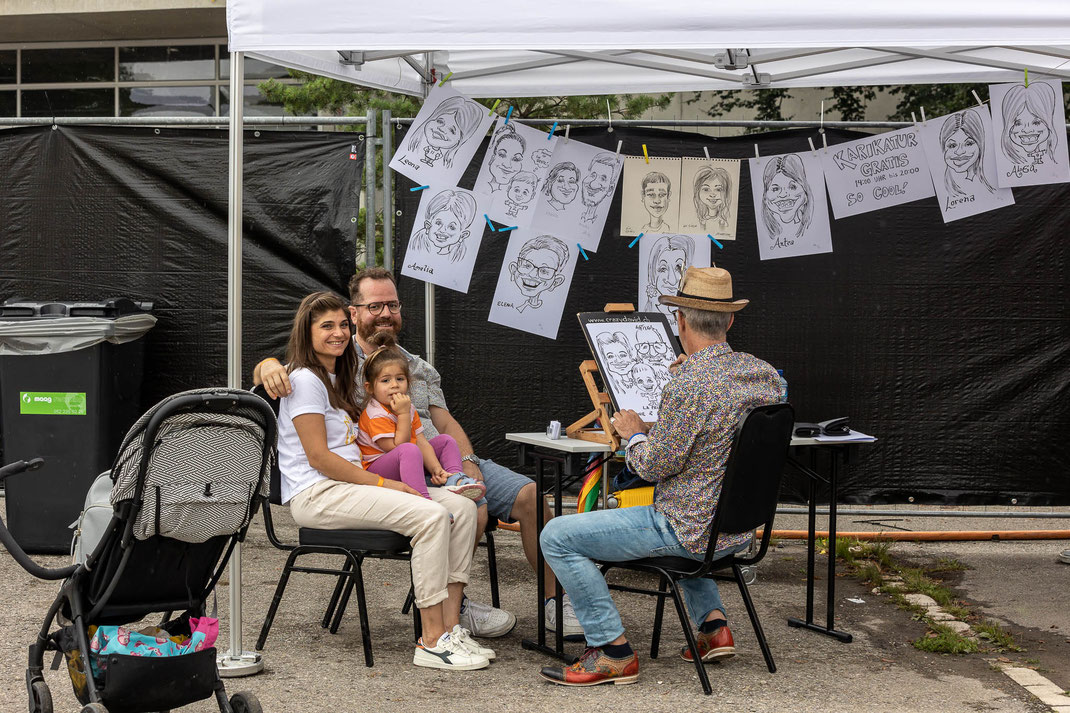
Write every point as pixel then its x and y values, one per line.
pixel 391 437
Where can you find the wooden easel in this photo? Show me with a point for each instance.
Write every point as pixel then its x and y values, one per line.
pixel 584 429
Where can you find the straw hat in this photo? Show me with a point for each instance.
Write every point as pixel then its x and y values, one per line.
pixel 706 288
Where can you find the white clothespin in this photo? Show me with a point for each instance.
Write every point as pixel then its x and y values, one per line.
pixel 707 152
pixel 979 102
pixel 756 151
pixel 567 127
pixel 619 144
pixel 922 115
pixel 609 116
pixel 914 118
pixel 812 149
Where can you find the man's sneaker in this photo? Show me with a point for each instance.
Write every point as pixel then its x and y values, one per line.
pixel 449 655
pixel 711 647
pixel 464 637
pixel 593 668
pixel 570 625
pixel 471 489
pixel 1064 557
pixel 486 621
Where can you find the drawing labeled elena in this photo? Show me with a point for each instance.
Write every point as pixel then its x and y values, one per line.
pixel 444 137
pixel 662 262
pixel 633 352
pixel 445 238
pixel 575 197
pixel 534 282
pixel 709 197
pixel 959 150
pixel 1030 125
pixel 791 213
pixel 650 195
pixel 513 171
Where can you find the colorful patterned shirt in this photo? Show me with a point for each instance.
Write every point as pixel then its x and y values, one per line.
pixel 685 452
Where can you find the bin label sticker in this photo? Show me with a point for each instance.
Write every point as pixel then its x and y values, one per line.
pixel 52 403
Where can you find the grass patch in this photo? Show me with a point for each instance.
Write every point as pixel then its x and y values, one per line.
pixel 948 564
pixel 995 635
pixel 942 640
pixel 916 580
pixel 870 573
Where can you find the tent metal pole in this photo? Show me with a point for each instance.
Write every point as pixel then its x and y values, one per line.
pixel 369 189
pixel 429 289
pixel 235 662
pixel 388 194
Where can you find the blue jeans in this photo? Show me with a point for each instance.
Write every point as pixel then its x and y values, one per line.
pixel 571 543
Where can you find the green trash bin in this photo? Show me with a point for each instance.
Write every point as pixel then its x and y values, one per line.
pixel 70 387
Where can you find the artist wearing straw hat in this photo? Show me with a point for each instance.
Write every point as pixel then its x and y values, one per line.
pixel 684 454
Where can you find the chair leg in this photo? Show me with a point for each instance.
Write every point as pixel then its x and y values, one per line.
pixel 357 577
pixel 492 563
pixel 353 566
pixel 753 614
pixel 410 600
pixel 659 612
pixel 417 622
pixel 342 580
pixel 276 600
pixel 689 634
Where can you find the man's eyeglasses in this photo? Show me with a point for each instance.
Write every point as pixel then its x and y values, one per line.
pixel 647 347
pixel 527 267
pixel 377 307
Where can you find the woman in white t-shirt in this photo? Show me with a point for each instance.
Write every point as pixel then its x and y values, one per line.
pixel 327 489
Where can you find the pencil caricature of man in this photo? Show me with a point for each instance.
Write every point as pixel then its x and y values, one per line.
pixel 651 347
pixel 656 191
pixel 617 357
pixel 562 185
pixel 520 191
pixel 447 224
pixel 450 125
pixel 597 184
pixel 537 269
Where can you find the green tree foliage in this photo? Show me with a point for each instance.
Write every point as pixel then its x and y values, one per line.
pixel 851 102
pixel 766 104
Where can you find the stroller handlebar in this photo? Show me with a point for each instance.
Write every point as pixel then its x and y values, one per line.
pixel 9 542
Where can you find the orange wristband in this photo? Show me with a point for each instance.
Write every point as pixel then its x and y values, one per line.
pixel 380 483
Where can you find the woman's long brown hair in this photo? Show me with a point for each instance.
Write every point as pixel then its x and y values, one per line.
pixel 299 352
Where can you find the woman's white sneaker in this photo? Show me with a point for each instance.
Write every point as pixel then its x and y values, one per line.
pixel 464 637
pixel 448 654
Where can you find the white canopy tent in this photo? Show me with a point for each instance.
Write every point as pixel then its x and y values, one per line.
pixel 565 47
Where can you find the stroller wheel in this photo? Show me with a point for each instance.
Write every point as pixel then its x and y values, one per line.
pixel 42 697
pixel 245 702
pixel 94 708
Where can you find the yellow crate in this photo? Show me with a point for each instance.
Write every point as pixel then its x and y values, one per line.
pixel 632 497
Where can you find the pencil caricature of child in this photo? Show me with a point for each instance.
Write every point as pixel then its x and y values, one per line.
pixel 617 358
pixel 450 125
pixel 962 139
pixel 646 384
pixel 787 204
pixel 520 192
pixel 1027 124
pixel 597 184
pixel 537 269
pixel 505 158
pixel 447 224
pixel 656 192
pixel 562 185
pixel 713 196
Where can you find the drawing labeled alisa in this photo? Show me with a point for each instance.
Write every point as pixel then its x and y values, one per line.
pixel 791 212
pixel 1031 125
pixel 445 239
pixel 533 283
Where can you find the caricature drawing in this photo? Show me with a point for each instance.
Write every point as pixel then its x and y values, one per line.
pixel 520 192
pixel 656 192
pixel 617 358
pixel 562 185
pixel 447 224
pixel 540 159
pixel 1027 124
pixel 713 198
pixel 450 125
pixel 962 139
pixel 650 346
pixel 597 184
pixel 538 268
pixel 670 255
pixel 787 204
pixel 505 158
pixel 646 384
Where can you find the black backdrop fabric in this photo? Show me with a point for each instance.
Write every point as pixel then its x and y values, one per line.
pixel 950 343
pixel 91 213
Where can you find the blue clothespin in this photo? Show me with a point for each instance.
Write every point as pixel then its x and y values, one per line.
pixel 506 230
pixel 489 224
pixel 632 244
pixel 418 188
pixel 552 130
pixel 508 114
pixel 715 241
pixel 582 252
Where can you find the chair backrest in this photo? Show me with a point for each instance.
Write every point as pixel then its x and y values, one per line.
pixel 755 467
pixel 275 477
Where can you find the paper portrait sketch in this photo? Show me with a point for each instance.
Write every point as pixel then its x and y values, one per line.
pixel 650 196
pixel 1030 126
pixel 575 197
pixel 959 149
pixel 444 136
pixel 534 282
pixel 876 172
pixel 445 238
pixel 513 170
pixel 789 206
pixel 633 352
pixel 662 262
pixel 709 197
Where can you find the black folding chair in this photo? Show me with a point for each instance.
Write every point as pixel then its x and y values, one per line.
pixel 748 501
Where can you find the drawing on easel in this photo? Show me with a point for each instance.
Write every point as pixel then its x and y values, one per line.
pixel 445 239
pixel 793 217
pixel 1031 125
pixel 650 201
pixel 709 197
pixel 533 283
pixel 633 351
pixel 444 136
pixel 575 198
pixel 959 149
pixel 662 262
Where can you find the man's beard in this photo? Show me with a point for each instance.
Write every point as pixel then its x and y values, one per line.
pixel 381 324
pixel 591 198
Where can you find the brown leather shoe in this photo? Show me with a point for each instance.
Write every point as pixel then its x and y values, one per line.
pixel 718 645
pixel 593 668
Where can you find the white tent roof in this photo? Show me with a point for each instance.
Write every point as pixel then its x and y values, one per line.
pixel 633 46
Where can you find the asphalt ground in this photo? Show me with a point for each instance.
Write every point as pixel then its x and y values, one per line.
pixel 1021 584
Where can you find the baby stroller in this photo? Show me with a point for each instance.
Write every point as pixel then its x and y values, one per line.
pixel 188 478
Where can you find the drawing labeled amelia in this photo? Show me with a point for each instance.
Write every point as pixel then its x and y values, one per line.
pixel 445 238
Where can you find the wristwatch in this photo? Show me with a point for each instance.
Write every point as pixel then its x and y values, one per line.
pixel 471 458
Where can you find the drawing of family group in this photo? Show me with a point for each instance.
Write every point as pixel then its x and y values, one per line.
pixel 510 169
pixel 563 185
pixel 636 368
